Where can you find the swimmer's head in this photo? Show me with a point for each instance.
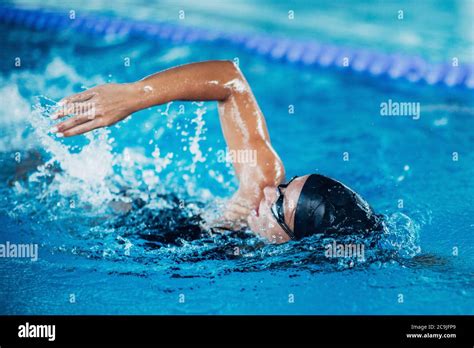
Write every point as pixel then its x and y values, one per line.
pixel 308 205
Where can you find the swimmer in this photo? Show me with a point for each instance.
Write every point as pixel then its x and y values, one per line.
pixel 271 208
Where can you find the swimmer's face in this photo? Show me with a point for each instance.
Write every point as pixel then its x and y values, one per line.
pixel 262 221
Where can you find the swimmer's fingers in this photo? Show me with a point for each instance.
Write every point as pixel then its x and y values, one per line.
pixel 72 103
pixel 84 128
pixel 64 110
pixel 72 122
pixel 85 108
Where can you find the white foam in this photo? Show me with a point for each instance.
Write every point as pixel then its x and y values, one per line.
pixel 14 111
pixel 58 68
pixel 147 89
pixel 93 174
pixel 237 85
pixel 194 147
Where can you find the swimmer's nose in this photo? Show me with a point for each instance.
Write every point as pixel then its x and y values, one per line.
pixel 270 194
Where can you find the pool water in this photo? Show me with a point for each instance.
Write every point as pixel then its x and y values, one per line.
pixel 99 205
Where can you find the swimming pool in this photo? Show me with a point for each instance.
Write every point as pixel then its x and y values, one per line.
pixel 68 196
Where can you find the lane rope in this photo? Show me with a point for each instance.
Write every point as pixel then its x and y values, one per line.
pixel 304 53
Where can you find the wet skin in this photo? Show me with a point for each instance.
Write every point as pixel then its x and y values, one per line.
pixel 242 122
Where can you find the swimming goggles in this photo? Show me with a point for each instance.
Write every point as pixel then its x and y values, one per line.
pixel 277 209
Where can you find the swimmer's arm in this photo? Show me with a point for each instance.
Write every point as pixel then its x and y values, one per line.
pixel 242 121
pixel 108 104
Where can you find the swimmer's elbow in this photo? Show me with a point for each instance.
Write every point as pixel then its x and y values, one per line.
pixel 232 78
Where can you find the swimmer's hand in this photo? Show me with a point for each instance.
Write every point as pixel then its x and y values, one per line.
pixel 97 107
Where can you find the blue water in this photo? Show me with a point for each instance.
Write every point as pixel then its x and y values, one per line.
pixel 71 196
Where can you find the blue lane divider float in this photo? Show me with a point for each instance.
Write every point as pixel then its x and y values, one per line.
pixel 304 53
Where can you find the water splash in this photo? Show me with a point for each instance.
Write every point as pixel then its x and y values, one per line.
pixel 401 236
pixel 83 174
pixel 94 173
pixel 15 110
pixel 195 140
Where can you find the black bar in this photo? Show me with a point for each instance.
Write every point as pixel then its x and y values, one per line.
pixel 137 330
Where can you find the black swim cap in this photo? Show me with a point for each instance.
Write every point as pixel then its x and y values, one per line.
pixel 328 206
